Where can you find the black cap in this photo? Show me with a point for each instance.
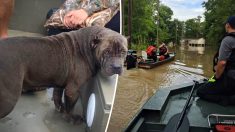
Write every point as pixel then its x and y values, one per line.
pixel 231 21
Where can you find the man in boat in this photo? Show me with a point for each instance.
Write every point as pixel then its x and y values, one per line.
pixel 163 52
pixel 222 88
pixel 152 52
pixel 131 59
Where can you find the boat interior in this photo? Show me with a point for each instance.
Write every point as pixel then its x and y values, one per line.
pixel 169 101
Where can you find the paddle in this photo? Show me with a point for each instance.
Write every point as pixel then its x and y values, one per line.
pixel 179 122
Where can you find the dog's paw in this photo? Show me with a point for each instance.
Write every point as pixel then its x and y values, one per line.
pixel 74 119
pixel 77 120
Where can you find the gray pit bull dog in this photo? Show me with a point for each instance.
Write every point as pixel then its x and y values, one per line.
pixel 64 61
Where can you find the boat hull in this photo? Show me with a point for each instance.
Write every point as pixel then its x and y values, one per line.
pixel 146 65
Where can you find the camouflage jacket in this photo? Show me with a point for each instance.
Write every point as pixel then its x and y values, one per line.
pixel 91 6
pixel 100 12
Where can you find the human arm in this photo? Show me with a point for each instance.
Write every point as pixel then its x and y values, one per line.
pixel 224 54
pixel 220 68
pixel 76 17
pixel 98 5
pixel 166 51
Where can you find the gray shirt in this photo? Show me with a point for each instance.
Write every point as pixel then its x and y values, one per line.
pixel 227 45
pixel 226 48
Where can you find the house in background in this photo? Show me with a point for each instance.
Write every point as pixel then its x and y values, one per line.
pixel 194 44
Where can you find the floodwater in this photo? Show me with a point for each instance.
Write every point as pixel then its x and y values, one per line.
pixel 135 86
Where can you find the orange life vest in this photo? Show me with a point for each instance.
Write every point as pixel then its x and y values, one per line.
pixel 150 49
pixel 161 58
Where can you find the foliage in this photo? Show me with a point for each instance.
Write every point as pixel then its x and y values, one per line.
pixel 165 14
pixel 176 31
pixel 142 20
pixel 216 14
pixel 146 27
pixel 139 46
pixel 145 20
pixel 194 28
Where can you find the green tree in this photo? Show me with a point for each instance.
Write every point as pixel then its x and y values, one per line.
pixel 165 14
pixel 145 16
pixel 216 14
pixel 142 20
pixel 194 28
pixel 176 31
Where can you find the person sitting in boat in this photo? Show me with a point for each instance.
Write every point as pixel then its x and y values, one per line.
pixel 152 52
pixel 163 52
pixel 131 59
pixel 220 88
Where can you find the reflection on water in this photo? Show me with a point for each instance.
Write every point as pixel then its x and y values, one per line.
pixel 200 50
pixel 135 86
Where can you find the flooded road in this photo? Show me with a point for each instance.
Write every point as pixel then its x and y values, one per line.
pixel 135 86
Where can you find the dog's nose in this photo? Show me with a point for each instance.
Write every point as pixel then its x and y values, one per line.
pixel 117 69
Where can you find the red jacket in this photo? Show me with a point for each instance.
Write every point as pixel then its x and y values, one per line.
pixel 150 50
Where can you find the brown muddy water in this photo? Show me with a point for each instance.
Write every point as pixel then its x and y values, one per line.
pixel 135 86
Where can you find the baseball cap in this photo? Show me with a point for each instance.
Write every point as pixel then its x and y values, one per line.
pixel 231 21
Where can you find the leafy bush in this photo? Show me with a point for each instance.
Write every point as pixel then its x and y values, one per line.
pixel 139 46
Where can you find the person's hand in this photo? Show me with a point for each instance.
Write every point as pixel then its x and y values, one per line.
pixel 74 18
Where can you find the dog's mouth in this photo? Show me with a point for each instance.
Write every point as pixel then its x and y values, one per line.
pixel 112 70
pixel 117 70
pixel 112 65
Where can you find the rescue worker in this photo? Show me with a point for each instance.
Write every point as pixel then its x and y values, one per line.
pixel 163 52
pixel 152 52
pixel 221 88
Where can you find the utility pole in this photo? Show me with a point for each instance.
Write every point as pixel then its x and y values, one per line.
pixel 123 19
pixel 158 21
pixel 198 21
pixel 129 23
pixel 175 32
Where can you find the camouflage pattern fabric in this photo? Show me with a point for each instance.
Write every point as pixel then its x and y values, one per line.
pixel 100 12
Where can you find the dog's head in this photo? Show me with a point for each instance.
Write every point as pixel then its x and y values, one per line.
pixel 110 50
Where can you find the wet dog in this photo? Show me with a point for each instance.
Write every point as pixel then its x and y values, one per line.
pixel 64 61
